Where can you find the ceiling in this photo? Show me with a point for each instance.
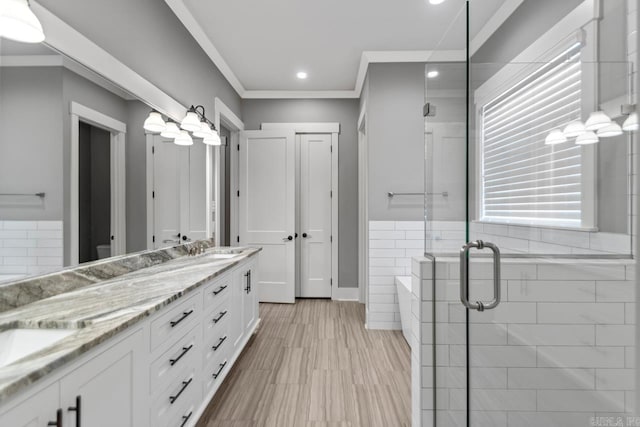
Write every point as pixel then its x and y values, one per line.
pixel 260 45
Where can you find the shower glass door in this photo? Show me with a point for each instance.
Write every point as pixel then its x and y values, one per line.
pixel 529 220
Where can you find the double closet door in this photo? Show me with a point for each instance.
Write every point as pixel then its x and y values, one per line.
pixel 285 208
pixel 179 193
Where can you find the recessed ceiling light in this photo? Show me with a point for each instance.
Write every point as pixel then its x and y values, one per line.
pixel 433 74
pixel 301 75
pixel 436 1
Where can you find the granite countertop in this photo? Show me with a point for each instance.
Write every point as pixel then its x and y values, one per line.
pixel 99 310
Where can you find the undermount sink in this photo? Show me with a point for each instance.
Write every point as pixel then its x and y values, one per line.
pixel 21 342
pixel 224 256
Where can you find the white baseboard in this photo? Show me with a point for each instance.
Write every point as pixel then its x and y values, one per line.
pixel 346 294
pixel 384 326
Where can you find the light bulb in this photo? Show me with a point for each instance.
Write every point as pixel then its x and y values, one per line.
pixel 575 128
pixel 191 122
pixel 154 123
pixel 587 138
pixel 631 124
pixel 555 137
pixel 613 129
pixel 213 139
pixel 19 23
pixel 433 74
pixel 171 130
pixel 204 130
pixel 183 139
pixel 597 120
pixel 301 75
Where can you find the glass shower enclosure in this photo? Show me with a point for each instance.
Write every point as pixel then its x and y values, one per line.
pixel 527 292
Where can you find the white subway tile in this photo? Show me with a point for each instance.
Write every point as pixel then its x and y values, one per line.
pixel 19 243
pixel 503 356
pixel 382 225
pixel 383 308
pixel 575 239
pixel 379 317
pixel 522 232
pixel 44 234
pixel 552 291
pixel 375 281
pixel 391 289
pixel 386 271
pixel 386 235
pixel 539 419
pixel 13 234
pixel 615 291
pixel 49 225
pixel 382 299
pixel 50 261
pixel 414 235
pixel 630 313
pixel 49 243
pixel 382 262
pixel 45 252
pixel 552 334
pixel 551 378
pixel 13 252
pixel 581 313
pixel 503 400
pixel 387 253
pixel 410 225
pixel 382 244
pixel 410 244
pixel 22 260
pixel 581 357
pixel 576 400
pixel 615 335
pixel 610 242
pixel 403 262
pixel 13 269
pixel 507 312
pixel 581 270
pixel 20 225
pixel 615 379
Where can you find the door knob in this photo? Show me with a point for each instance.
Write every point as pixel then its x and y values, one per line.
pixel 289 238
pixel 185 238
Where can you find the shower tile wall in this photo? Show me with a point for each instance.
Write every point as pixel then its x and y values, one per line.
pixel 29 247
pixel 557 351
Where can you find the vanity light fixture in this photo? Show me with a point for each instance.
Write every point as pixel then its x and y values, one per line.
pixel 556 136
pixel 195 122
pixel 171 130
pixel 609 131
pixel 301 75
pixel 574 129
pixel 154 122
pixel 587 138
pixel 433 74
pixel 631 124
pixel 597 120
pixel 19 23
pixel 183 139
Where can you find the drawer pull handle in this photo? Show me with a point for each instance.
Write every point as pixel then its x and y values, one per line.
pixel 222 365
pixel 78 410
pixel 185 418
pixel 220 289
pixel 185 384
pixel 216 347
pixel 185 350
pixel 186 314
pixel 217 319
pixel 58 421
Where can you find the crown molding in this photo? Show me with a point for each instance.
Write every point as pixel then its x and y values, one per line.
pixel 368 57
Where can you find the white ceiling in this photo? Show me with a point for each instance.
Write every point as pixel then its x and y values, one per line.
pixel 260 45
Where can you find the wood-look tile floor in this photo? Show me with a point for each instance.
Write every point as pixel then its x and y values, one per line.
pixel 314 364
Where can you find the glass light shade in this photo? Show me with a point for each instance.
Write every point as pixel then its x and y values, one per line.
pixel 213 139
pixel 613 129
pixel 183 139
pixel 154 123
pixel 597 120
pixel 575 128
pixel 171 130
pixel 587 138
pixel 555 137
pixel 631 124
pixel 19 23
pixel 204 130
pixel 191 122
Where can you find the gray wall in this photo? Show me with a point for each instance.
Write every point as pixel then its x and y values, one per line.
pixel 395 129
pixel 31 155
pixel 146 36
pixel 344 111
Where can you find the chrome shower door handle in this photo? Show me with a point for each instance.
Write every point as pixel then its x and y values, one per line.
pixel 464 276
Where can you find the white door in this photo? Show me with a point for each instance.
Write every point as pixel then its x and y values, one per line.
pixel 315 216
pixel 166 193
pixel 267 209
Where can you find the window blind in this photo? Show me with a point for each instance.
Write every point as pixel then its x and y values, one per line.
pixel 523 180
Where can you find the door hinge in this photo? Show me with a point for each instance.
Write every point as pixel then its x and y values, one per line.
pixel 153 150
pixel 153 194
pixel 238 193
pixel 238 147
pixel 331 194
pixel 238 239
pixel 331 148
pixel 331 238
pixel 331 281
pixel 153 239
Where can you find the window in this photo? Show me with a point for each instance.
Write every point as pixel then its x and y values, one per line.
pixel 523 180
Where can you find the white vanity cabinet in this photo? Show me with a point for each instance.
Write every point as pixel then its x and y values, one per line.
pixel 162 371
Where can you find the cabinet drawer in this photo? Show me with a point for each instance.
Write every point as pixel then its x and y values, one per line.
pixel 213 320
pixel 217 343
pixel 216 291
pixel 176 399
pixel 186 416
pixel 214 371
pixel 169 364
pixel 175 322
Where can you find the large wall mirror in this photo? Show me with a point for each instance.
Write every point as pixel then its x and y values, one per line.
pixel 75 168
